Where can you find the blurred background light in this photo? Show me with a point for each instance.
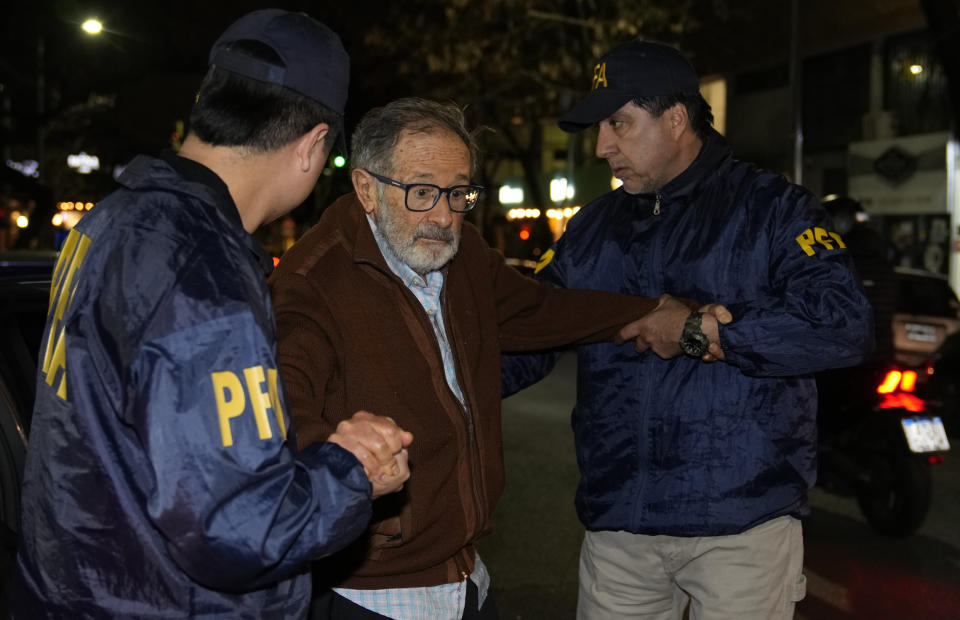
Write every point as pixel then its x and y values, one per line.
pixel 92 26
pixel 561 190
pixel 510 195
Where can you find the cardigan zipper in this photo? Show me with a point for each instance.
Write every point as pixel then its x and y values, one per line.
pixel 473 447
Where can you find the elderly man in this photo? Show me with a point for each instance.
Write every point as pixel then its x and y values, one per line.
pixel 392 304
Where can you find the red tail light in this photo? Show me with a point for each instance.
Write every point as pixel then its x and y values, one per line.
pixel 908 381
pixel 904 381
pixel 935 459
pixel 902 400
pixel 890 382
pixel 896 388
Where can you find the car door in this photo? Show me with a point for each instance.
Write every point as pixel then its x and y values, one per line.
pixel 24 295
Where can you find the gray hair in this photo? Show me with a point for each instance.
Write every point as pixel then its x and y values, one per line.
pixel 378 132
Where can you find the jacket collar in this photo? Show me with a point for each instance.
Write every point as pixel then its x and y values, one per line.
pixel 170 172
pixel 195 172
pixel 350 219
pixel 714 152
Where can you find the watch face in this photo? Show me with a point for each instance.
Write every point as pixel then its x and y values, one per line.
pixel 695 344
pixel 693 341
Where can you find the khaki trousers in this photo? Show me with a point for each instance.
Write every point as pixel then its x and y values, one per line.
pixel 755 575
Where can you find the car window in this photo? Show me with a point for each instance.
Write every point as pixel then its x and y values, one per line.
pixel 24 296
pixel 21 332
pixel 926 296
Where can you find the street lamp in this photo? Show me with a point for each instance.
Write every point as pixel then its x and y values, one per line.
pixel 92 26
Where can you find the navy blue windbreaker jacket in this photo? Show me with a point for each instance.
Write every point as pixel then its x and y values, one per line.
pixel 681 447
pixel 162 477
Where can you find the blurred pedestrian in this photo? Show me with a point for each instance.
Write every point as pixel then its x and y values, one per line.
pixel 162 478
pixel 870 254
pixel 392 303
pixel 694 476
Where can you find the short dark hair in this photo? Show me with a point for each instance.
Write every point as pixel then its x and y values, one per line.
pixel 378 132
pixel 232 110
pixel 698 110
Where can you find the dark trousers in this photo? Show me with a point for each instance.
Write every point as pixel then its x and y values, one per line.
pixel 329 605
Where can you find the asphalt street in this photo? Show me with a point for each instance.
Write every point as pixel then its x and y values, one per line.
pixel 852 572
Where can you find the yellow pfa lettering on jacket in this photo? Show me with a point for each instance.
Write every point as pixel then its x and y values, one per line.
pixel 599 76
pixel 813 238
pixel 233 397
pixel 544 261
pixel 62 289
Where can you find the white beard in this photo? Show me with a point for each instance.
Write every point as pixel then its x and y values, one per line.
pixel 421 260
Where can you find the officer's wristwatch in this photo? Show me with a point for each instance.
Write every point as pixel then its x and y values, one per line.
pixel 693 341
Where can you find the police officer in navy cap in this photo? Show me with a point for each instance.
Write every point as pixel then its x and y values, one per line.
pixel 162 478
pixel 694 475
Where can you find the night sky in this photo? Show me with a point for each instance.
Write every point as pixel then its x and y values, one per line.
pixel 172 37
pixel 153 53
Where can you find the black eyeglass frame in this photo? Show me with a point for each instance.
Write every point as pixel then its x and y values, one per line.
pixel 440 192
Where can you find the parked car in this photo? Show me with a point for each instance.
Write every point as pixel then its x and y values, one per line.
pixel 24 297
pixel 927 312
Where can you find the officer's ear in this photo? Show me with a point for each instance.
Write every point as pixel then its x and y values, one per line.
pixel 311 148
pixel 366 188
pixel 677 118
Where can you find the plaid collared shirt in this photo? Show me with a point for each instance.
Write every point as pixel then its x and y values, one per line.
pixel 443 602
pixel 446 601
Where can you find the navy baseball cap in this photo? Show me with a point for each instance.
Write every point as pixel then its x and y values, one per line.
pixel 315 63
pixel 628 71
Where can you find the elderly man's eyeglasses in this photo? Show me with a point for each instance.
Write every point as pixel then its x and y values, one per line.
pixel 424 196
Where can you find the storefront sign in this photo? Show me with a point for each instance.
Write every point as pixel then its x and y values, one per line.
pixel 83 163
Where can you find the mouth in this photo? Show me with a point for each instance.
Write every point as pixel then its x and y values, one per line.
pixel 618 171
pixel 430 241
pixel 434 235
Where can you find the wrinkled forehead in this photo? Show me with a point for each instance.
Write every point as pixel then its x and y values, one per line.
pixel 427 152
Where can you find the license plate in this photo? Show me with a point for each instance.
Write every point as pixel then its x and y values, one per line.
pixel 921 332
pixel 925 434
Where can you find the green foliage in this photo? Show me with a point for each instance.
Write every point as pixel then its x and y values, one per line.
pixel 522 56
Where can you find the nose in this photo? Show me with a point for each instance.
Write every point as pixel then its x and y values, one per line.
pixel 440 214
pixel 606 145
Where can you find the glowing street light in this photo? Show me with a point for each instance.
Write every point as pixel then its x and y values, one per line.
pixel 92 26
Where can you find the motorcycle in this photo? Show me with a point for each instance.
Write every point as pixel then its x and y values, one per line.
pixel 879 439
